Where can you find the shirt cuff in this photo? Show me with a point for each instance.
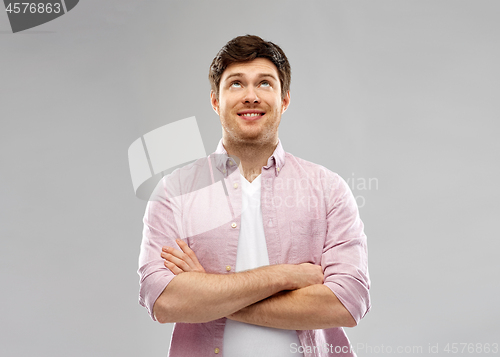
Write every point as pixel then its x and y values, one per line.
pixel 356 299
pixel 151 288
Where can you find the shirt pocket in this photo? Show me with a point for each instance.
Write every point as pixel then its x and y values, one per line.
pixel 308 238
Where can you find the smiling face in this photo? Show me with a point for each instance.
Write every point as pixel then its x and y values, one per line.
pixel 250 103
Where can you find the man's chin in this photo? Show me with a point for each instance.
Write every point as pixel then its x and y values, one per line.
pixel 249 139
pixel 253 139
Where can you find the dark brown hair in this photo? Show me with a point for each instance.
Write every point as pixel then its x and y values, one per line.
pixel 247 48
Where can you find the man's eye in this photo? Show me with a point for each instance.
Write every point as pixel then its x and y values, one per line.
pixel 235 84
pixel 265 84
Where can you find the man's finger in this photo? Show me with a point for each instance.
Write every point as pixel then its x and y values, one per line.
pixel 180 255
pixel 181 263
pixel 185 248
pixel 173 268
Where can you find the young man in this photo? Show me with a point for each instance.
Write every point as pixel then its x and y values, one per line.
pixel 267 259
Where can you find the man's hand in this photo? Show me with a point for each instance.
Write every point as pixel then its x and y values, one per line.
pixel 306 274
pixel 181 261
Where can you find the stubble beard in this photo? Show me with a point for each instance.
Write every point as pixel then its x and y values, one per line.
pixel 267 135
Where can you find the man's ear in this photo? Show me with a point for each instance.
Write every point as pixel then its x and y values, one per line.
pixel 214 101
pixel 285 102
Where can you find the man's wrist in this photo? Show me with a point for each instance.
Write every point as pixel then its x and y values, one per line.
pixel 285 277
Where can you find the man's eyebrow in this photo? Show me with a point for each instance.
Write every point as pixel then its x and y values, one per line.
pixel 234 75
pixel 268 75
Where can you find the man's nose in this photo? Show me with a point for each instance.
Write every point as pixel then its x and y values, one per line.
pixel 251 96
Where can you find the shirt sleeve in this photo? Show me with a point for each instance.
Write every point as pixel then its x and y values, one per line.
pixel 160 229
pixel 345 256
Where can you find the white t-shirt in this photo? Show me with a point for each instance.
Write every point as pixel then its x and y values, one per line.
pixel 246 340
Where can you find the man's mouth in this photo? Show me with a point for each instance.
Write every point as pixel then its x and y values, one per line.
pixel 251 115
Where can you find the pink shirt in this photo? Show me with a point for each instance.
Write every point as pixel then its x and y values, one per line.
pixel 309 215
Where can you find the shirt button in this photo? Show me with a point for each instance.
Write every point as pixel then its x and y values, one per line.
pixel 228 268
pixel 234 225
pixel 216 350
pixel 230 163
pixel 224 171
pixel 235 185
pixel 277 169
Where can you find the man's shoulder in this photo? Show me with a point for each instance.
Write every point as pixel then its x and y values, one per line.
pixel 315 176
pixel 302 166
pixel 192 168
pixel 188 178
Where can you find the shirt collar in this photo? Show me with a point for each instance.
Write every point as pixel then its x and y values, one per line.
pixel 225 163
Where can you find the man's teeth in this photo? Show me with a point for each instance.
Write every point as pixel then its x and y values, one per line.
pixel 251 114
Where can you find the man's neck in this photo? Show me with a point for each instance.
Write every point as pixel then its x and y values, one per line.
pixel 252 156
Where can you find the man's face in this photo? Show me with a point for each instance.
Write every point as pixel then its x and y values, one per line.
pixel 250 103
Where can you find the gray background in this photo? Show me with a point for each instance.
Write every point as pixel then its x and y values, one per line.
pixel 403 92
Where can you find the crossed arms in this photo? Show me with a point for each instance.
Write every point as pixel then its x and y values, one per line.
pixel 284 296
pixel 174 287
